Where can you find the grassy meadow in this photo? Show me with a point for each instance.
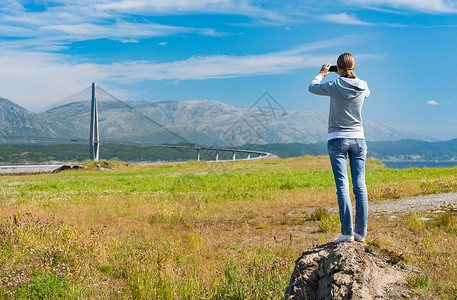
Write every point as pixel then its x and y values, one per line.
pixel 201 230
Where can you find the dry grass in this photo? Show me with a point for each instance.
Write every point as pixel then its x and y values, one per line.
pixel 427 241
pixel 198 230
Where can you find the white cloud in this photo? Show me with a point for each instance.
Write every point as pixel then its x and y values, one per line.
pixel 163 43
pixel 80 21
pixel 162 5
pixel 428 6
pixel 206 67
pixel 72 21
pixel 55 33
pixel 117 31
pixel 36 73
pixel 37 79
pixel 167 7
pixel 343 18
pixel 432 102
pixel 219 66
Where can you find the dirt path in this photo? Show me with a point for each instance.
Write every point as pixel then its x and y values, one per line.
pixel 421 203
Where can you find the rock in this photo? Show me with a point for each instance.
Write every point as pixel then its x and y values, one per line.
pixel 69 167
pixel 347 270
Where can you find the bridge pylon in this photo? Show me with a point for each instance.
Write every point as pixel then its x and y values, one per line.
pixel 94 133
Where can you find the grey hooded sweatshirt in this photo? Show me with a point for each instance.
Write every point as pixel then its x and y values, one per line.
pixel 346 101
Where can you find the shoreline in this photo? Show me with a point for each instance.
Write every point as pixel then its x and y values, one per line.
pixel 28 169
pixel 402 164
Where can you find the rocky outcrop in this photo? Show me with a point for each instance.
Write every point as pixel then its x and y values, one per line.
pixel 69 167
pixel 346 271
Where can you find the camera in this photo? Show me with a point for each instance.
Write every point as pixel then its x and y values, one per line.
pixel 333 69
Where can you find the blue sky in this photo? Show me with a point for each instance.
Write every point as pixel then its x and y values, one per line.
pixel 235 50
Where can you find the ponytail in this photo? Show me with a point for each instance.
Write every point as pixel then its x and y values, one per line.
pixel 346 63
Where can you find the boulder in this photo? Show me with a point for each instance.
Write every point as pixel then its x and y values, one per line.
pixel 69 167
pixel 348 270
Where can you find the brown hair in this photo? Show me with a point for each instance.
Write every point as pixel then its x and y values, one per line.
pixel 346 63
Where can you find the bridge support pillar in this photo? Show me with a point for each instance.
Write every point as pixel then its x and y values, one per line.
pixel 249 155
pixel 217 155
pixel 94 134
pixel 198 154
pixel 234 155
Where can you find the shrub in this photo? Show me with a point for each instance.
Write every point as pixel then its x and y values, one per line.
pixel 418 281
pixel 415 222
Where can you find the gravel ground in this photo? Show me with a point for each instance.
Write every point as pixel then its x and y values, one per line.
pixel 421 203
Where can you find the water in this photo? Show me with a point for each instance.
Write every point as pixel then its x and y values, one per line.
pixel 419 164
pixel 30 166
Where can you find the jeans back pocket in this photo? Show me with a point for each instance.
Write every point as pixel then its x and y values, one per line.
pixel 335 144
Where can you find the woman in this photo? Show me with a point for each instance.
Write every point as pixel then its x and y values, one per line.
pixel 346 139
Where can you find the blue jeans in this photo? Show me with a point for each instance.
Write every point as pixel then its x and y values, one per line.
pixel 339 149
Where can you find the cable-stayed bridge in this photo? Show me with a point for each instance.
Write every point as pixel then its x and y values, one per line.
pixel 96 117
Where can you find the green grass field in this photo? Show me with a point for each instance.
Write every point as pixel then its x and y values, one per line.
pixel 204 230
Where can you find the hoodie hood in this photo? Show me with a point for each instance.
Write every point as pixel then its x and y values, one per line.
pixel 351 88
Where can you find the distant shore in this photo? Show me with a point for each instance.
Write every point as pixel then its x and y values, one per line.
pixel 50 168
pixel 402 164
pixel 28 169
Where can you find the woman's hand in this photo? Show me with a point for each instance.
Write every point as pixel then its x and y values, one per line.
pixel 324 70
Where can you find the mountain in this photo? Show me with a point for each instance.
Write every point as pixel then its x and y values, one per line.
pixel 17 121
pixel 202 122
